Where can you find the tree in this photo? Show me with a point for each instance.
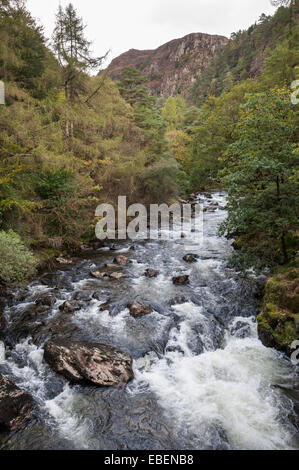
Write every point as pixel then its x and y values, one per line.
pixel 260 178
pixel 73 52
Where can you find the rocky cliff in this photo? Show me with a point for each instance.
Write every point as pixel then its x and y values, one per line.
pixel 173 67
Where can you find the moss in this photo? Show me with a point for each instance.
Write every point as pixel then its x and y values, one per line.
pixel 278 324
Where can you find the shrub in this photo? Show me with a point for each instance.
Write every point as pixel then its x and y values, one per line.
pixel 17 263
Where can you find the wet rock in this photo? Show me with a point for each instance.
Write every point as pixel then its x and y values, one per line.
pixel 2 322
pixel 122 260
pixel 45 300
pixel 241 330
pixel 151 273
pixel 98 274
pixel 70 306
pixel 190 258
pixel 111 266
pixel 178 301
pixel 15 405
pixel 116 276
pixel 62 260
pixel 139 310
pixel 181 280
pixel 89 363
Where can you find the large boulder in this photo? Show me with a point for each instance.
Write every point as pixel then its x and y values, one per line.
pixel 89 363
pixel 139 310
pixel 15 405
pixel 181 280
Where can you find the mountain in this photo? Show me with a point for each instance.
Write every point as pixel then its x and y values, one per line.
pixel 173 67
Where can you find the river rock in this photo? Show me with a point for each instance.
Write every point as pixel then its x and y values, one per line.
pixel 190 258
pixel 70 306
pixel 47 300
pixel 2 322
pixel 181 280
pixel 62 260
pixel 151 273
pixel 111 266
pixel 122 260
pixel 139 310
pixel 98 274
pixel 116 276
pixel 15 405
pixel 89 363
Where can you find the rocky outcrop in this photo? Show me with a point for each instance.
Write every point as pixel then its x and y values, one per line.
pixel 173 67
pixel 89 363
pixel 278 323
pixel 139 310
pixel 15 405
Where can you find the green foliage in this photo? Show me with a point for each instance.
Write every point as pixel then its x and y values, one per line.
pixel 259 169
pixel 17 263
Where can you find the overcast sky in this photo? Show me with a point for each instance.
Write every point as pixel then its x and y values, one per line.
pixel 120 25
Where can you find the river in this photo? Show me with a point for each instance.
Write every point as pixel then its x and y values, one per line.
pixel 203 380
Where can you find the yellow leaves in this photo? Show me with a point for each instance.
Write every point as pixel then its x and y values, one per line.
pixel 61 97
pixel 179 143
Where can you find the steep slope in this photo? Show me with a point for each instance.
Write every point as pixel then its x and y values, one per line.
pixel 173 67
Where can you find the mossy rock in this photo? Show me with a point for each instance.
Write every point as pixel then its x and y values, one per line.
pixel 278 324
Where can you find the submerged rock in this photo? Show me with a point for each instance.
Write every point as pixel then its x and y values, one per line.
pixel 181 280
pixel 151 273
pixel 16 405
pixel 190 258
pixel 139 310
pixel 82 362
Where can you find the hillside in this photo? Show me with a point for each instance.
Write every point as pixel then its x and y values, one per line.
pixel 173 67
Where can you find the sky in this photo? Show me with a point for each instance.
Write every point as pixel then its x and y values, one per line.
pixel 120 25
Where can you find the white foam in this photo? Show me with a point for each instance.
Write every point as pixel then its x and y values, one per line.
pixel 229 388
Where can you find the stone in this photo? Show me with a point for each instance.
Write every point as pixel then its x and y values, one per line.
pixel 16 405
pixel 62 260
pixel 98 274
pixel 190 258
pixel 47 300
pixel 116 276
pixel 151 273
pixel 2 321
pixel 70 306
pixel 122 260
pixel 89 363
pixel 139 310
pixel 181 280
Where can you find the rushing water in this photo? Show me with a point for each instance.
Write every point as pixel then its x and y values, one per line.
pixel 203 380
